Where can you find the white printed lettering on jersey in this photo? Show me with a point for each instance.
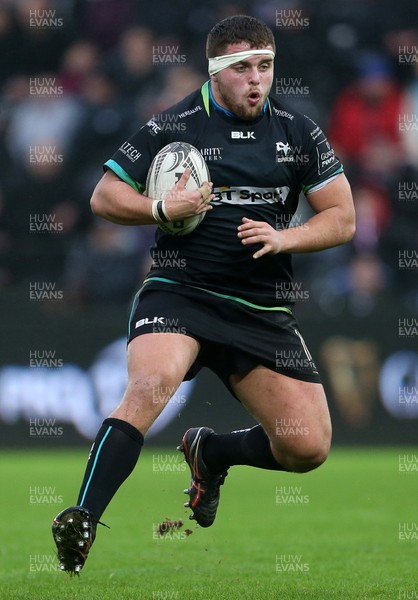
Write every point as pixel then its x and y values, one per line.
pixel 283 113
pixel 315 133
pixel 212 154
pixel 326 156
pixel 154 127
pixel 130 151
pixel 186 113
pixel 243 135
pixel 250 195
pixel 153 321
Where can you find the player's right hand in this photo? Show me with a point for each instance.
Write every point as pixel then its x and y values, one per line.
pixel 180 202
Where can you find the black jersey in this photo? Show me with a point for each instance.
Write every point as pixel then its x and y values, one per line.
pixel 258 169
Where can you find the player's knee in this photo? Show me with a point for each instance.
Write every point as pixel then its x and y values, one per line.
pixel 161 384
pixel 310 460
pixel 312 449
pixel 304 455
pixel 310 455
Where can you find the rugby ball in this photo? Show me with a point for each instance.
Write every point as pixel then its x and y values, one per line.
pixel 165 171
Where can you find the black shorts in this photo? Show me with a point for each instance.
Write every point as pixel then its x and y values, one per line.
pixel 234 338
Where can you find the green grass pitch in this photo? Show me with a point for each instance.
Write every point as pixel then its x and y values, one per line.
pixel 346 531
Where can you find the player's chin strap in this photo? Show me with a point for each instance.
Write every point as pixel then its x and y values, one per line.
pixel 217 63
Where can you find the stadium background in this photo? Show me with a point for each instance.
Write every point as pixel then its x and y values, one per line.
pixel 76 78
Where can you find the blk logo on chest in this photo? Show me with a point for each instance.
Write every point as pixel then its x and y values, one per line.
pixel 242 135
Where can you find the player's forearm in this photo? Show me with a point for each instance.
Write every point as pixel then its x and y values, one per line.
pixel 331 227
pixel 115 201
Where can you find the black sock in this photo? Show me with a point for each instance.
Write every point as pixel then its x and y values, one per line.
pixel 246 447
pixel 112 458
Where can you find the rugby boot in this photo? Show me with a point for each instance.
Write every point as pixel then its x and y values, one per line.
pixel 204 487
pixel 74 531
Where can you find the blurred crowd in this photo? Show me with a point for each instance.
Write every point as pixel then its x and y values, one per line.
pixel 78 76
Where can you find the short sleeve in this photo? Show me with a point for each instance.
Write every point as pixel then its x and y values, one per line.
pixel 132 159
pixel 321 164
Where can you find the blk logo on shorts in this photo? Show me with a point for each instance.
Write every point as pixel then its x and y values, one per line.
pixel 153 321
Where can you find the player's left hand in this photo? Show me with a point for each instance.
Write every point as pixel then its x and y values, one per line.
pixel 259 232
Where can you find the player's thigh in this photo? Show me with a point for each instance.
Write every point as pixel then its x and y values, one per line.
pixel 157 364
pixel 293 413
pixel 161 357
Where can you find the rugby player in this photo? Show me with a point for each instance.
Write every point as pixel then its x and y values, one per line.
pixel 223 299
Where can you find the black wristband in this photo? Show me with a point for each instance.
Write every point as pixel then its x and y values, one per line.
pixel 161 212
